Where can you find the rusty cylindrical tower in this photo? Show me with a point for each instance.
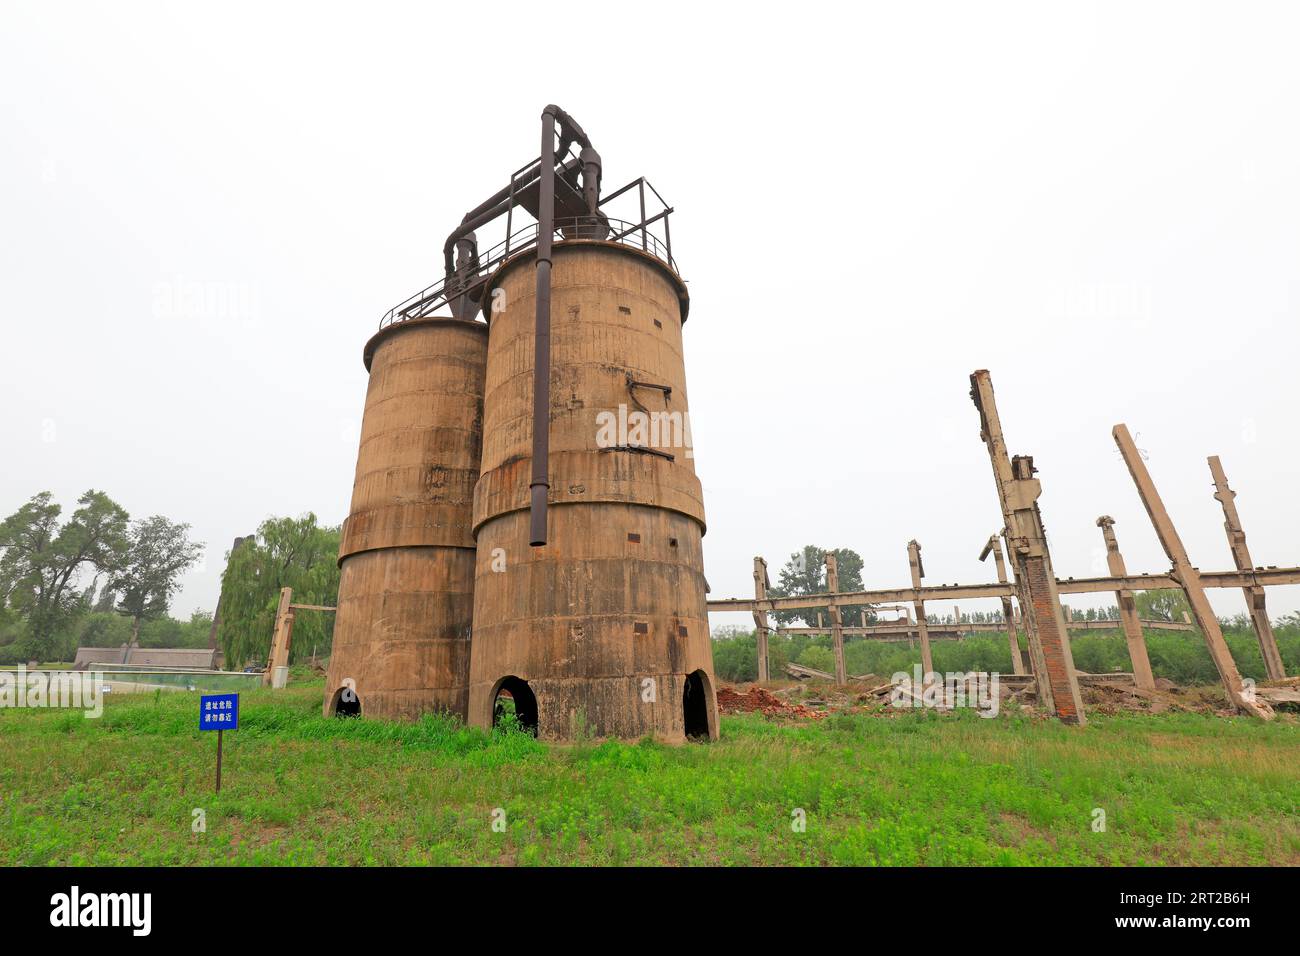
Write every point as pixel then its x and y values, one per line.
pixel 406 587
pixel 604 629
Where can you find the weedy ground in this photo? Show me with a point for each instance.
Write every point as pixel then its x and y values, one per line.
pixel 920 788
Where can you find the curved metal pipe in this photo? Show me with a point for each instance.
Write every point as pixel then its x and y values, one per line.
pixel 490 209
pixel 544 172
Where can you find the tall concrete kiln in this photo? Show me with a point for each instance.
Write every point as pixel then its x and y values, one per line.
pixel 589 613
pixel 406 580
pixel 606 624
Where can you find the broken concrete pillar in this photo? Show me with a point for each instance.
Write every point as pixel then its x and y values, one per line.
pixel 1241 555
pixel 761 584
pixel 1018 491
pixel 1188 578
pixel 837 624
pixel 1128 612
pixel 278 656
pixel 922 630
pixel 994 547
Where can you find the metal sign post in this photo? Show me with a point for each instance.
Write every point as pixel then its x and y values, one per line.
pixel 219 712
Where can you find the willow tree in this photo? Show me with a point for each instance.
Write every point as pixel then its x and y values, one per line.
pixel 286 552
pixel 1167 604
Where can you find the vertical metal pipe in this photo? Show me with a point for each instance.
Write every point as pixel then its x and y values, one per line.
pixel 590 160
pixel 510 216
pixel 645 243
pixel 540 484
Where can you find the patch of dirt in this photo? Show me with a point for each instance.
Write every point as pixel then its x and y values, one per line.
pixel 868 694
pixel 1125 698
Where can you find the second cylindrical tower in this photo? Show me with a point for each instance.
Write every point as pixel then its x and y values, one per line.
pixel 603 630
pixel 406 585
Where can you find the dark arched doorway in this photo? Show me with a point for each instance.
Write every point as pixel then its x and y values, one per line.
pixel 346 703
pixel 695 706
pixel 514 698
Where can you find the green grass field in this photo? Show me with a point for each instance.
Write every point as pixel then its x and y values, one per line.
pixel 914 789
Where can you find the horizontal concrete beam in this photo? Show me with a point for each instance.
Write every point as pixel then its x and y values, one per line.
pixel 902 627
pixel 1259 577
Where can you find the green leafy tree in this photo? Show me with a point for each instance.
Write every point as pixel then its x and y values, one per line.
pixel 148 575
pixel 103 629
pixel 41 559
pixel 286 552
pixel 818 658
pixel 1164 605
pixel 735 657
pixel 805 573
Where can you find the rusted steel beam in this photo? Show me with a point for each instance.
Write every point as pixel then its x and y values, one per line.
pixel 1128 612
pixel 1188 578
pixel 922 628
pixel 837 625
pixel 1018 491
pixel 1241 557
pixel 761 584
pixel 994 547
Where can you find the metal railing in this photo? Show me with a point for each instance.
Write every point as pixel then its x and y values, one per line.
pixel 635 235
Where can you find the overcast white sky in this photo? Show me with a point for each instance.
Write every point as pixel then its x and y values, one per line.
pixel 206 208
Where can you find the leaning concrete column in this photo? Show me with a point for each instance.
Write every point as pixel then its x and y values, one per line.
pixel 994 547
pixel 761 585
pixel 922 628
pixel 1241 555
pixel 278 655
pixel 1188 578
pixel 837 624
pixel 1018 491
pixel 1128 612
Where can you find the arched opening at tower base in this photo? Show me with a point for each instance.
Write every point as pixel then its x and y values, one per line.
pixel 695 706
pixel 514 699
pixel 346 703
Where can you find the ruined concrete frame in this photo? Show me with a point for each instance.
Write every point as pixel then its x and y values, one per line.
pixel 1188 578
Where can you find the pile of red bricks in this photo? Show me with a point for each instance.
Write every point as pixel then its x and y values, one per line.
pixel 759 701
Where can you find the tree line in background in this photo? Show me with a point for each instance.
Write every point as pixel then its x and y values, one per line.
pixel 47 606
pixel 96 578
